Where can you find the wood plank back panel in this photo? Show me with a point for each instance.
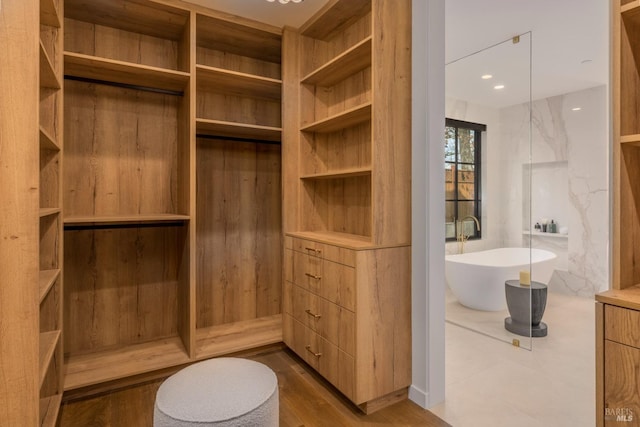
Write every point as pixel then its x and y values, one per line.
pixel 391 179
pixel 347 148
pixel 629 78
pixel 121 286
pixel 241 109
pixel 49 113
pixel 49 179
pixel 119 144
pixel 239 255
pixel 50 242
pixel 107 42
pixel 239 63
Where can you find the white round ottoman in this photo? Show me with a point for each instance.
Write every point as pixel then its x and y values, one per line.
pixel 219 392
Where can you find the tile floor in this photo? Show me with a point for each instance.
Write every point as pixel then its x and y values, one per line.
pixel 492 383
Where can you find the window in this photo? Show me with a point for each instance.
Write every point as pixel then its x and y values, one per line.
pixel 462 177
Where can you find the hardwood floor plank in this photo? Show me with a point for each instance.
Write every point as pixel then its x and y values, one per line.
pixel 306 400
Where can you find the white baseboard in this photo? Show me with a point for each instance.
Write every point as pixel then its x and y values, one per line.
pixel 419 397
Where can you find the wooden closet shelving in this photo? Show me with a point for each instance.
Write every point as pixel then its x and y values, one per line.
pixel 124 219
pixel 50 282
pixel 347 185
pixel 206 127
pixel 240 84
pixel 618 309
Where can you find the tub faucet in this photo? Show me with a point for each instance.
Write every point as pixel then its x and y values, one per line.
pixel 461 238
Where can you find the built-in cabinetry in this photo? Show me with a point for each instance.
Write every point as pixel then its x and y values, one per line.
pixel 618 310
pixel 51 239
pixel 346 154
pixel 171 187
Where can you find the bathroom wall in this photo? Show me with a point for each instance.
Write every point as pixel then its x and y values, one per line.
pixel 569 176
pixel 578 142
pixel 492 236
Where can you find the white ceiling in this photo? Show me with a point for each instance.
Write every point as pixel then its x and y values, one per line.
pixel 280 15
pixel 564 33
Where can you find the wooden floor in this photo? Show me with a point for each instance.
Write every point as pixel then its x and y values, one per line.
pixel 305 400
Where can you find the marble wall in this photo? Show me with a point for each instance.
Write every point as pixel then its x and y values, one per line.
pixel 566 145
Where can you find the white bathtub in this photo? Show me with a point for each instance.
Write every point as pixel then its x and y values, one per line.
pixel 477 278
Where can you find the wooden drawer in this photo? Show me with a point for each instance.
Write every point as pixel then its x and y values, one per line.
pixel 332 322
pixel 621 383
pixel 622 325
pixel 332 363
pixel 322 250
pixel 330 280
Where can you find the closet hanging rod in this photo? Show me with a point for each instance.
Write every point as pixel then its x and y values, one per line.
pixel 124 85
pixel 238 139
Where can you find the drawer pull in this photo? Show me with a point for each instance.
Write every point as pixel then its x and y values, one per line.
pixel 313 276
pixel 318 251
pixel 315 316
pixel 313 352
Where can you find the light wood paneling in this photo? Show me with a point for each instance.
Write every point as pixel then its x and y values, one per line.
pixel 221 129
pixel 238 63
pixel 48 77
pixel 621 383
pixel 121 286
pixel 50 242
pixel 46 281
pixel 50 179
pixel 599 415
pixel 622 325
pixel 48 343
pixel 93 40
pixel 383 316
pixel 49 13
pixel 391 121
pixel 344 119
pixel 144 17
pixel 109 168
pixel 217 105
pixel 333 17
pixel 49 410
pixel 239 271
pixel 342 66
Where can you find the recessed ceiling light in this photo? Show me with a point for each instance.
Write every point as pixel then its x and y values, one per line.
pixel 576 109
pixel 486 76
pixel 498 87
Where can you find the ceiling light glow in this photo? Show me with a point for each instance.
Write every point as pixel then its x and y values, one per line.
pixel 498 87
pixel 576 109
pixel 486 76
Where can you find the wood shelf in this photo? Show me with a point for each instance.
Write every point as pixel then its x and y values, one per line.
pixel 334 16
pixel 236 83
pixel 48 77
pixel 48 343
pixel 49 409
pixel 237 130
pixel 95 368
pixel 348 63
pixel 626 298
pixel 47 141
pixel 48 211
pixel 46 280
pixel 233 337
pixel 350 241
pixel 630 8
pixel 49 14
pixel 127 73
pixel 346 173
pixel 631 140
pixel 124 219
pixel 348 118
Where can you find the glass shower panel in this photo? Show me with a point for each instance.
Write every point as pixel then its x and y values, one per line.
pixel 488 254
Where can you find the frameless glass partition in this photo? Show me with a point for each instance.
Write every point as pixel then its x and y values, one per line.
pixel 488 177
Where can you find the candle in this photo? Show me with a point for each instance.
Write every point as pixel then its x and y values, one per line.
pixel 525 278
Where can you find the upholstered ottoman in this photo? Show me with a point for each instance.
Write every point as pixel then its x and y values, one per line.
pixel 219 392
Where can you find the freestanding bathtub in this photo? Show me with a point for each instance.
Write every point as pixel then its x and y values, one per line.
pixel 477 278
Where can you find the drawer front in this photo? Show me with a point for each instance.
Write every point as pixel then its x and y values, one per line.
pixel 622 325
pixel 330 280
pixel 331 362
pixel 332 322
pixel 324 251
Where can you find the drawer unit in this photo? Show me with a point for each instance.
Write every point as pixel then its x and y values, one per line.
pixel 332 363
pixel 347 313
pixel 334 323
pixel 622 325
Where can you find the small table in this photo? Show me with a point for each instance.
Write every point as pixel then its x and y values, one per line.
pixel 526 313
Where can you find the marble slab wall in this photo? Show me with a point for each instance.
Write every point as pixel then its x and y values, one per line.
pixel 579 138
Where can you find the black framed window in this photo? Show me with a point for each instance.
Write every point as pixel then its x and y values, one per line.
pixel 462 160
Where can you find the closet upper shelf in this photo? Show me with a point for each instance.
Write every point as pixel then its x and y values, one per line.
pixel 333 17
pixel 47 141
pixel 348 63
pixel 630 140
pixel 345 119
pixel 631 9
pixel 109 70
pixel 236 83
pixel 221 128
pixel 123 219
pixel 48 76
